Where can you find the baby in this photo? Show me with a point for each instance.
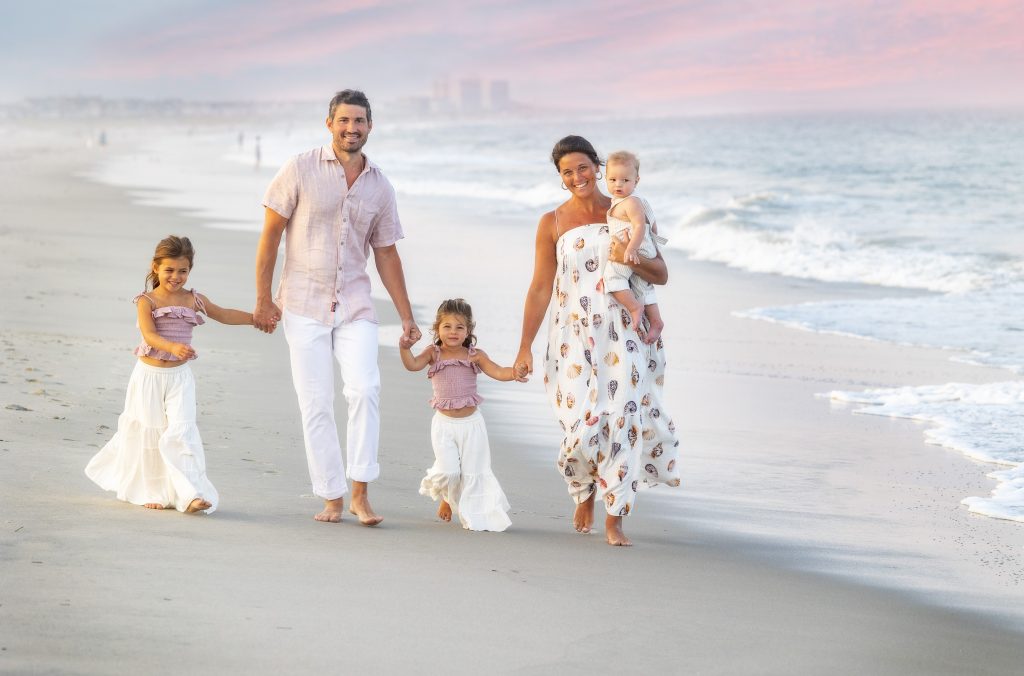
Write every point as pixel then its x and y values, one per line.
pixel 633 213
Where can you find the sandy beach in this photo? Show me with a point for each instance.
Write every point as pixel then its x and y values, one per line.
pixel 94 586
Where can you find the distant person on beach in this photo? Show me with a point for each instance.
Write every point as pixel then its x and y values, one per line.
pixel 156 458
pixel 631 213
pixel 461 476
pixel 334 206
pixel 257 152
pixel 603 381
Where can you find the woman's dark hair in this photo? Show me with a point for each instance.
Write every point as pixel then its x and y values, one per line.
pixel 574 144
pixel 170 247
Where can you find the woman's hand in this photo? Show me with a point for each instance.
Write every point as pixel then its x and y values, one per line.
pixel 523 366
pixel 619 244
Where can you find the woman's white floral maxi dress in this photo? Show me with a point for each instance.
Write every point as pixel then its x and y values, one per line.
pixel 604 383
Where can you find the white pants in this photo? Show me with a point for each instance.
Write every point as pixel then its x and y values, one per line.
pixel 157 455
pixel 461 474
pixel 354 345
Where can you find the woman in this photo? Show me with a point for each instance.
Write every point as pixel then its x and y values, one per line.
pixel 603 381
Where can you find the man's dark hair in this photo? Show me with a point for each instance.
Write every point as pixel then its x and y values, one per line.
pixel 352 97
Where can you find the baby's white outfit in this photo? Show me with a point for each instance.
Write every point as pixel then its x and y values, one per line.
pixel 619 276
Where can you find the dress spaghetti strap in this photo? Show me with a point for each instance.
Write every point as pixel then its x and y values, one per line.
pixel 146 296
pixel 198 302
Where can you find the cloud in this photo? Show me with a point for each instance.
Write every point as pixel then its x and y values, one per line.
pixel 571 53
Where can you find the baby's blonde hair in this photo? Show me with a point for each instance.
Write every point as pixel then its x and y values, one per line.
pixel 455 306
pixel 624 157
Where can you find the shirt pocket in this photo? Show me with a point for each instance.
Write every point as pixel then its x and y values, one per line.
pixel 362 217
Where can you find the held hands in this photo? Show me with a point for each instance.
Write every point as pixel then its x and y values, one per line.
pixel 523 366
pixel 266 316
pixel 410 334
pixel 182 351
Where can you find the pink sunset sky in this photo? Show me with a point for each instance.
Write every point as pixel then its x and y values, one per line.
pixel 678 56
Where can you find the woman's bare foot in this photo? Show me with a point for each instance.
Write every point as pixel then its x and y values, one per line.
pixel 360 505
pixel 153 505
pixel 444 511
pixel 583 518
pixel 613 532
pixel 197 505
pixel 332 511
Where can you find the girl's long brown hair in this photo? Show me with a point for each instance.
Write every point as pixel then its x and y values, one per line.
pixel 169 247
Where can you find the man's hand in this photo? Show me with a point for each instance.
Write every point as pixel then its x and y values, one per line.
pixel 266 316
pixel 410 333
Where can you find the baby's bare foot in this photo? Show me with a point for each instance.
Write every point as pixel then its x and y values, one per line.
pixel 636 317
pixel 153 505
pixel 444 511
pixel 332 511
pixel 197 505
pixel 654 332
pixel 613 532
pixel 583 518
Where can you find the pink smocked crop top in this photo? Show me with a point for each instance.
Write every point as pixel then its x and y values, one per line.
pixel 454 382
pixel 173 322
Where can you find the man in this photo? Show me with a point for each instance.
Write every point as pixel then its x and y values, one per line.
pixel 333 205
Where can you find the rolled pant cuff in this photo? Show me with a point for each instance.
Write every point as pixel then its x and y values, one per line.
pixel 331 494
pixel 364 472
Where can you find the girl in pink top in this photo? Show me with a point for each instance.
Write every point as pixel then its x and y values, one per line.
pixel 156 458
pixel 461 476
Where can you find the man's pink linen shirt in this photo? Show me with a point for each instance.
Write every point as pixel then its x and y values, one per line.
pixel 330 230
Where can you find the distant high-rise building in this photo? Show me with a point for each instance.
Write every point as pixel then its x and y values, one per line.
pixel 441 90
pixel 471 95
pixel 500 99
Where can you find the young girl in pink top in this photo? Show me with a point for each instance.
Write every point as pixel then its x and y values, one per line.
pixel 461 476
pixel 156 458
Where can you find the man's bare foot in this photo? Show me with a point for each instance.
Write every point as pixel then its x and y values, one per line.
pixel 197 505
pixel 332 511
pixel 360 505
pixel 583 518
pixel 444 511
pixel 153 505
pixel 613 532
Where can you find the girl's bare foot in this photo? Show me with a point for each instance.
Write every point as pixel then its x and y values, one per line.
pixel 444 511
pixel 153 505
pixel 197 505
pixel 613 532
pixel 583 518
pixel 332 511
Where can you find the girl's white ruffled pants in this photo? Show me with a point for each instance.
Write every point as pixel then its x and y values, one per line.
pixel 156 455
pixel 461 474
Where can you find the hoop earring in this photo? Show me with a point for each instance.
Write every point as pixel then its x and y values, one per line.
pixel 598 176
pixel 565 187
